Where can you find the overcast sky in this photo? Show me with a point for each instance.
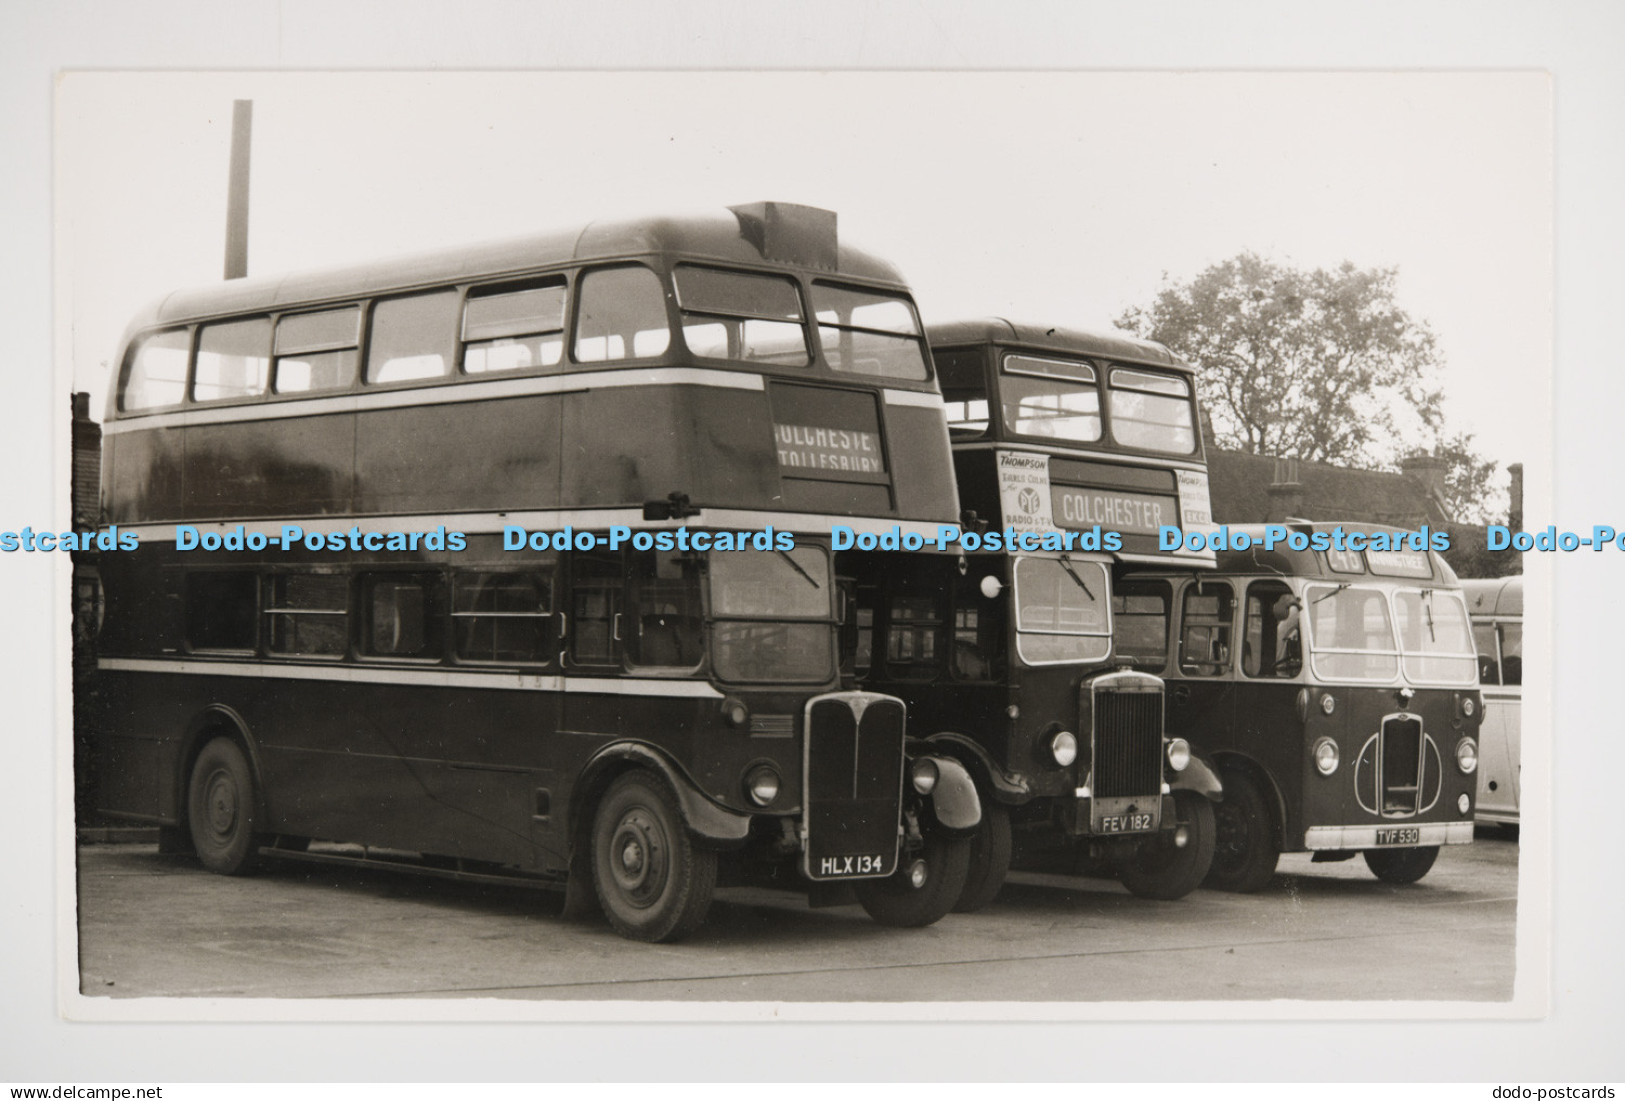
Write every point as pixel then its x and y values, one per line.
pixel 1058 198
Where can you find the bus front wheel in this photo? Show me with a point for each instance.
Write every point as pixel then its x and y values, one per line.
pixel 653 882
pixel 1401 865
pixel 221 809
pixel 1244 849
pixel 1164 869
pixel 925 886
pixel 989 859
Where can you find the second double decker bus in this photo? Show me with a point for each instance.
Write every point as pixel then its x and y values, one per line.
pixel 1071 449
pixel 518 556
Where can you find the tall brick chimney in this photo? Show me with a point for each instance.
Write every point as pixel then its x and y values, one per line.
pixel 1286 492
pixel 1515 507
pixel 1429 472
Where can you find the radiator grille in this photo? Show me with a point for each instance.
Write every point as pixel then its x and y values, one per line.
pixel 853 757
pixel 1127 743
pixel 1399 759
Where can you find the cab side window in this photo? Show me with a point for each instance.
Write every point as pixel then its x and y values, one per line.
pixel 1511 653
pixel 1272 646
pixel 1140 623
pixel 596 584
pixel 664 627
pixel 912 629
pixel 1489 663
pixel 1204 634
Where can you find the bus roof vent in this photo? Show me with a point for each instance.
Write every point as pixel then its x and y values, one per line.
pixel 790 233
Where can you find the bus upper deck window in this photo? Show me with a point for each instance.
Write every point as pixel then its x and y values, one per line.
pixel 1151 411
pixel 868 333
pixel 735 315
pixel 233 360
pixel 157 373
pixel 316 351
pixel 412 337
pixel 964 391
pixel 1052 398
pixel 621 315
pixel 507 329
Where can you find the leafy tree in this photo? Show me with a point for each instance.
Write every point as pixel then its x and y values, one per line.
pixel 1317 365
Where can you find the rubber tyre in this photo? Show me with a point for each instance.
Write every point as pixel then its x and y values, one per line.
pixel 653 883
pixel 1161 869
pixel 1244 849
pixel 222 809
pixel 989 859
pixel 897 902
pixel 1401 865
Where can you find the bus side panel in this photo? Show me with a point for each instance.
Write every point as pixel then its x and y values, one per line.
pixel 300 466
pixel 922 469
pixel 692 733
pixel 1266 729
pixel 459 457
pixel 143 478
pixel 446 770
pixel 735 455
pixel 1498 754
pixel 140 724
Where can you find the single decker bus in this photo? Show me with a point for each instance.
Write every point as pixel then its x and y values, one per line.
pixel 1328 670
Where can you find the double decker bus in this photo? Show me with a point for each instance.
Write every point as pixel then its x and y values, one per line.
pixel 517 556
pixel 1496 607
pixel 1071 449
pixel 1331 676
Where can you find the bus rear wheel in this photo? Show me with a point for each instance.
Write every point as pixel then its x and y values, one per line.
pixel 1164 869
pixel 653 882
pixel 1401 865
pixel 925 886
pixel 221 809
pixel 989 859
pixel 1244 849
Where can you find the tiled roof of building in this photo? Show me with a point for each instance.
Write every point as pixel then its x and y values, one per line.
pixel 1240 487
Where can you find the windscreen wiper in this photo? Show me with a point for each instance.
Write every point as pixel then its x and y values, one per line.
pixel 797 567
pixel 1332 593
pixel 1066 564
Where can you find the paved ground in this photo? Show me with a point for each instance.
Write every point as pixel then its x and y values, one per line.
pixel 160 925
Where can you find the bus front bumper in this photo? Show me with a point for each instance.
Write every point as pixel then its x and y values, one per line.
pixel 1318 838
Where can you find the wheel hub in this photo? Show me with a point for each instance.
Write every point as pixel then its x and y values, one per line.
pixel 222 804
pixel 639 862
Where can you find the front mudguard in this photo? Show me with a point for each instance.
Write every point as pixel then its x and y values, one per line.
pixel 953 806
pixel 1199 776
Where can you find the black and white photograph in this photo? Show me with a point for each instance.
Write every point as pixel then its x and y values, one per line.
pixel 960 570
pixel 848 548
